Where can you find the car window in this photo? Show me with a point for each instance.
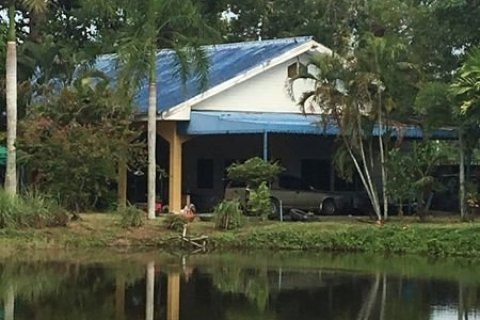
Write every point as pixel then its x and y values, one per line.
pixel 292 183
pixel 236 184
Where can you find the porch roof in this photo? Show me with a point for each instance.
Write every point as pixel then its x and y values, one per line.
pixel 215 123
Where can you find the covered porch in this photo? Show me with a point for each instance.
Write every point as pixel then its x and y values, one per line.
pixel 197 152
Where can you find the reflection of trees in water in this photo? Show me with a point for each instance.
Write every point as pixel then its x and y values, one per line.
pixel 9 307
pixel 253 283
pixel 467 297
pixel 233 292
pixel 150 293
pixel 249 312
pixel 59 290
pixel 405 299
pixel 342 296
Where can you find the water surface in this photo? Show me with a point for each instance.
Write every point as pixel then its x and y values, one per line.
pixel 235 287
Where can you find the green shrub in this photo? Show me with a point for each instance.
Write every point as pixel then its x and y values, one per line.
pixel 228 215
pixel 131 217
pixel 74 141
pixel 259 201
pixel 175 222
pixel 31 210
pixel 254 171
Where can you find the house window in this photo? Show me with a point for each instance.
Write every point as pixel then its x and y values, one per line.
pixel 296 69
pixel 205 173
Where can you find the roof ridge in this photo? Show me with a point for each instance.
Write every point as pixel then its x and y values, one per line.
pixel 260 42
pixel 299 40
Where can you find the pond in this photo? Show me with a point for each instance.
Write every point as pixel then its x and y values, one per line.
pixel 300 286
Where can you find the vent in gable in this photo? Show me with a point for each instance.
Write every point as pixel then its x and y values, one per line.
pixel 296 69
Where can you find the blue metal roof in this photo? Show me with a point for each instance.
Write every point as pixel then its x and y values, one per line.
pixel 226 62
pixel 213 122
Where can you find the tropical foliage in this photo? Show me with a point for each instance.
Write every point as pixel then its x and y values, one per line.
pixel 258 202
pixel 31 211
pixel 228 215
pixel 360 94
pixel 411 173
pixel 254 171
pixel 396 63
pixel 131 217
pixel 73 140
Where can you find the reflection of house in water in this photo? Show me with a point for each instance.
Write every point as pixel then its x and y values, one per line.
pixel 292 280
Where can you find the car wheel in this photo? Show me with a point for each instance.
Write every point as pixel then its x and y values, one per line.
pixel 275 207
pixel 328 207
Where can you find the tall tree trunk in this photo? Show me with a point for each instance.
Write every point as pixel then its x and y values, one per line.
pixel 122 184
pixel 371 184
pixel 461 193
pixel 150 291
pixel 152 136
pixel 366 181
pixel 382 162
pixel 11 90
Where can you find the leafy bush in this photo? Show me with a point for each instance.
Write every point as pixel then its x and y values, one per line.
pixel 254 171
pixel 176 222
pixel 74 140
pixel 131 217
pixel 228 215
pixel 259 201
pixel 30 211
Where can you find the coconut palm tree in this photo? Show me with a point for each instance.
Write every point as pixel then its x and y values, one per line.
pixel 466 88
pixel 148 26
pixel 11 90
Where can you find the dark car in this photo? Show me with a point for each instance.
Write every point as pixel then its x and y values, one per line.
pixel 290 192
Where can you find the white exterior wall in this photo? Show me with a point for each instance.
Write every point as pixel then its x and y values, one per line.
pixel 265 92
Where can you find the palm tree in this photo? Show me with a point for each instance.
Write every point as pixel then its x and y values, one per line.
pixel 466 88
pixel 11 90
pixel 354 93
pixel 150 25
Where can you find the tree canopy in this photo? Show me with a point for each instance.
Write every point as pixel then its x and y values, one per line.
pixel 411 61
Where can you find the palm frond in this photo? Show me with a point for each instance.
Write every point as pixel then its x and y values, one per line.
pixel 38 6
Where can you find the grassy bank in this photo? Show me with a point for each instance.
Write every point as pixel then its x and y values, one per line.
pixel 439 238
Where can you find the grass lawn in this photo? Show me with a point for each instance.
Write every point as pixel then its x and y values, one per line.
pixel 443 236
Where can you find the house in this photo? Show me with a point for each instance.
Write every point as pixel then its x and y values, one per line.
pixel 245 111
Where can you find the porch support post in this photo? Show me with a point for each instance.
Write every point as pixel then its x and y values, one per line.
pixel 265 145
pixel 168 130
pixel 173 296
pixel 175 174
